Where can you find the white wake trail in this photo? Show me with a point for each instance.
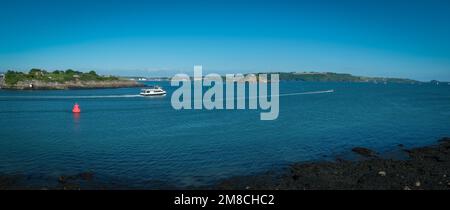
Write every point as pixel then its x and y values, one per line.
pixel 71 97
pixel 307 93
pixel 136 96
pixel 279 95
pixel 293 94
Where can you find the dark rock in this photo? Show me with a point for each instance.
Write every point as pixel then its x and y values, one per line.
pixel 364 152
pixel 62 179
pixel 9 181
pixel 86 176
pixel 73 182
pixel 427 169
pixel 444 140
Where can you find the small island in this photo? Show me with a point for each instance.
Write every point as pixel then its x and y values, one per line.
pixel 37 79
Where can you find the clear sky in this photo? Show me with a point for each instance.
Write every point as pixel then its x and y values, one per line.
pixel 392 38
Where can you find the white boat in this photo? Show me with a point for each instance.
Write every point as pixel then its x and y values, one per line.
pixel 153 91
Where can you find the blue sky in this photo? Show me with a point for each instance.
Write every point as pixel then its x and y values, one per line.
pixel 393 38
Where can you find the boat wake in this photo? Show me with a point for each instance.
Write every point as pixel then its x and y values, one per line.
pixel 139 96
pixel 301 93
pixel 307 93
pixel 69 97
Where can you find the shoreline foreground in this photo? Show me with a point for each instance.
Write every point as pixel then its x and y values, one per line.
pixel 426 168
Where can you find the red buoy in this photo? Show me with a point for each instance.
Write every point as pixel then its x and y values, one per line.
pixel 76 108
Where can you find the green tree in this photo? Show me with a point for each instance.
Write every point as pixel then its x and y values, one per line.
pixel 35 71
pixel 70 71
pixel 93 73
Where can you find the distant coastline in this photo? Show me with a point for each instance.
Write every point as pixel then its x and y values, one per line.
pixel 339 77
pixel 37 79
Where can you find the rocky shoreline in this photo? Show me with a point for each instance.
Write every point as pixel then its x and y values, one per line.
pixel 426 168
pixel 40 85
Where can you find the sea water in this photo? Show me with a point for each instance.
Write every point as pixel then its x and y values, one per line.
pixel 142 142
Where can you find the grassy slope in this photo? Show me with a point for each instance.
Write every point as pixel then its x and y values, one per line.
pixel 12 77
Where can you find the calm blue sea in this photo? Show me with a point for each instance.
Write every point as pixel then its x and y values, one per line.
pixel 143 142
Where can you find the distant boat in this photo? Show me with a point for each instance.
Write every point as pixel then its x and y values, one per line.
pixel 153 91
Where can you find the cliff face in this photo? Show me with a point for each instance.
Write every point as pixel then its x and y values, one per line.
pixel 41 85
